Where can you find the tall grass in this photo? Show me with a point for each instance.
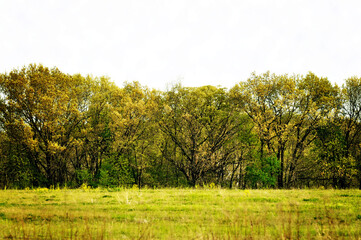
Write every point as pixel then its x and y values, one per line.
pixel 180 214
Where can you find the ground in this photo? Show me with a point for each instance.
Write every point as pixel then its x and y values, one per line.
pixel 209 213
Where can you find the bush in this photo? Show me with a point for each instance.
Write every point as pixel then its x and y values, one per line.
pixel 115 172
pixel 264 173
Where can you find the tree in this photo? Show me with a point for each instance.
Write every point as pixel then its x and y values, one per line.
pixel 285 111
pixel 42 109
pixel 350 117
pixel 271 102
pixel 243 148
pixel 331 148
pixel 94 136
pixel 318 102
pixel 133 127
pixel 199 122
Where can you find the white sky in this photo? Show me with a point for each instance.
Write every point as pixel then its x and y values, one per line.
pixel 197 42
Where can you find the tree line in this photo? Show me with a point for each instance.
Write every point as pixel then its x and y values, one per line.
pixel 270 131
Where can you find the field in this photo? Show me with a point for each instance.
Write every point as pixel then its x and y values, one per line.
pixel 180 214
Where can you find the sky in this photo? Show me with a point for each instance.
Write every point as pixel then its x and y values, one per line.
pixel 193 42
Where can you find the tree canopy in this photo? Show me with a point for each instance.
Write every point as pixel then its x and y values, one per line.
pixel 279 131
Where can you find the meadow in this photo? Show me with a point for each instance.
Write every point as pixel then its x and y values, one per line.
pixel 207 213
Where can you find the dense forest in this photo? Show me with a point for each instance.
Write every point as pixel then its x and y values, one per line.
pixel 270 131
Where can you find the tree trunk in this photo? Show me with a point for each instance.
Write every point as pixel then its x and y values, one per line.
pixel 280 175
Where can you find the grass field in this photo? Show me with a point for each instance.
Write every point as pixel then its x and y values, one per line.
pixel 180 214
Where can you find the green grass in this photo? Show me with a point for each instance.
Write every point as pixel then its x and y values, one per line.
pixel 180 214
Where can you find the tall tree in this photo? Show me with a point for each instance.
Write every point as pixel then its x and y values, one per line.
pixel 336 167
pixel 271 102
pixel 42 110
pixel 285 111
pixel 199 122
pixel 351 118
pixel 93 136
pixel 133 119
pixel 318 101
